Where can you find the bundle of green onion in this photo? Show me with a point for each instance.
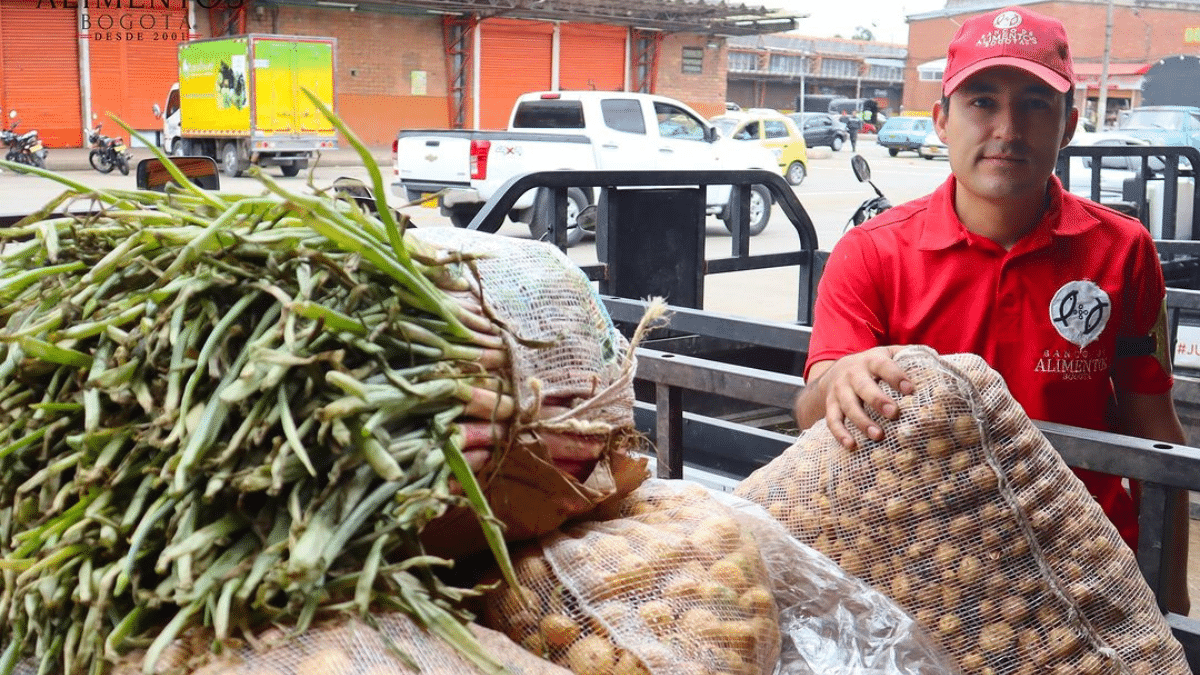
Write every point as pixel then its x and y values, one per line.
pixel 228 412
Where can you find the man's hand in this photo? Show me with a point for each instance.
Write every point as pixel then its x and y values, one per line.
pixel 842 390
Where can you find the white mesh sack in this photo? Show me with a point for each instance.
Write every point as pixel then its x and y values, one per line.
pixel 670 585
pixel 395 645
pixel 571 374
pixel 966 516
pixel 564 347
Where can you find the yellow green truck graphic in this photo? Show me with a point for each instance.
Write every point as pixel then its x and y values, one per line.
pixel 239 101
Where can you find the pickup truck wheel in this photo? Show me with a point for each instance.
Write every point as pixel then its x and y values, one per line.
pixel 796 173
pixel 836 144
pixel 461 216
pixel 893 151
pixel 230 164
pixel 759 208
pixel 539 225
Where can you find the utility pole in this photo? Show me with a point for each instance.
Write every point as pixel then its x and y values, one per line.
pixel 1102 103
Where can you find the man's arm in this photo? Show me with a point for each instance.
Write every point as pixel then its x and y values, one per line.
pixel 841 390
pixel 1149 416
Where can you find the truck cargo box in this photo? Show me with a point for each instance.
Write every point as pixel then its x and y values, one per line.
pixel 249 86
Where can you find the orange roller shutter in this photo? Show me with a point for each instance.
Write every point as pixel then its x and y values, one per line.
pixel 591 56
pixel 515 58
pixel 131 74
pixel 40 77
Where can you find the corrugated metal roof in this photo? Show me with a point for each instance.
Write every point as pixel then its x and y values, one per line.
pixel 820 45
pixel 715 17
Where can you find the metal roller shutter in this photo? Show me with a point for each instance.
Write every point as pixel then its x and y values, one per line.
pixel 39 69
pixel 592 56
pixel 515 57
pixel 134 72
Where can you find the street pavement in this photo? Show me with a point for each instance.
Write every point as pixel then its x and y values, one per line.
pixel 76 159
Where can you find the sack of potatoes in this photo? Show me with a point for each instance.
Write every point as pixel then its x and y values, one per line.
pixel 394 644
pixel 966 516
pixel 669 584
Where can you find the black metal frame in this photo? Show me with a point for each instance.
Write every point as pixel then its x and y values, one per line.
pixel 613 185
pixel 1169 174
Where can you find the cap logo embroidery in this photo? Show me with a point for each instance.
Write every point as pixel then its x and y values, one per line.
pixel 1080 311
pixel 1009 19
pixel 1010 36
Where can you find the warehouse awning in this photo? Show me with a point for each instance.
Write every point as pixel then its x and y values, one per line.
pixel 716 17
pixel 1120 75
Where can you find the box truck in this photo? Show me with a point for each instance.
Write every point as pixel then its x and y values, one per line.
pixel 239 101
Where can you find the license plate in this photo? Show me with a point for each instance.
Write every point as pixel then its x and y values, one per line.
pixel 428 200
pixel 120 148
pixel 35 148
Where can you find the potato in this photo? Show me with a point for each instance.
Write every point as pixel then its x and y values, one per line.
pixel 730 574
pixel 758 601
pixel 1063 641
pixel 966 431
pixel 559 630
pixel 996 637
pixel 715 593
pixel 628 664
pixel 592 655
pixel 740 635
pixel 698 621
pixel 327 661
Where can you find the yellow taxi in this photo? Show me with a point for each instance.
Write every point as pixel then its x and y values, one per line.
pixel 775 132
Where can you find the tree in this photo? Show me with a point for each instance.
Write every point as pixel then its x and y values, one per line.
pixel 863 33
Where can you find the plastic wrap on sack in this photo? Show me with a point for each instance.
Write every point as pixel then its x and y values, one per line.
pixel 832 622
pixel 679 580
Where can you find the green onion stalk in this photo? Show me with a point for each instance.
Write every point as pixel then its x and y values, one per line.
pixel 228 411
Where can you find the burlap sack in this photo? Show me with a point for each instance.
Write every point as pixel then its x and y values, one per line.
pixel 967 517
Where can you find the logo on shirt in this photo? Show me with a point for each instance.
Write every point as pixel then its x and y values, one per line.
pixel 1079 312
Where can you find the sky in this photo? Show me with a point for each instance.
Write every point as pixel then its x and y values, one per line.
pixel 884 18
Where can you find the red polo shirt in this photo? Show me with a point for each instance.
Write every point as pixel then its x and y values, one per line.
pixel 1046 315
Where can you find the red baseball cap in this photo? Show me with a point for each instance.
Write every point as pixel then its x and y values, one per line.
pixel 1013 36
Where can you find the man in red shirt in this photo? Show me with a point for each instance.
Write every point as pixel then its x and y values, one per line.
pixel 1055 292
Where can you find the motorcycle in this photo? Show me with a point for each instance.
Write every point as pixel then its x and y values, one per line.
pixel 23 148
pixel 107 153
pixel 870 207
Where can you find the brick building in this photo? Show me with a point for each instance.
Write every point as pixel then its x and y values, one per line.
pixel 1143 31
pixel 399 63
pixel 770 71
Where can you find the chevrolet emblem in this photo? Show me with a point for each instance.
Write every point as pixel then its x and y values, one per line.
pixel 430 158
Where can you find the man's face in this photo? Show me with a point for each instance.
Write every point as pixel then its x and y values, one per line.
pixel 1004 129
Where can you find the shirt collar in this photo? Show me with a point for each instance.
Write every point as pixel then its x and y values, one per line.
pixel 1066 216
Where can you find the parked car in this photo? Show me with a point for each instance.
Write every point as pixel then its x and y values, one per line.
pixel 821 129
pixel 932 147
pixel 572 131
pixel 904 133
pixel 1164 125
pixel 774 132
pixel 1113 170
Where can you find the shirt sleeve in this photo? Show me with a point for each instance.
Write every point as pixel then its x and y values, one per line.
pixel 848 316
pixel 1146 317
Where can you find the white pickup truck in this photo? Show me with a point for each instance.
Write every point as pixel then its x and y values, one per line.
pixel 571 130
